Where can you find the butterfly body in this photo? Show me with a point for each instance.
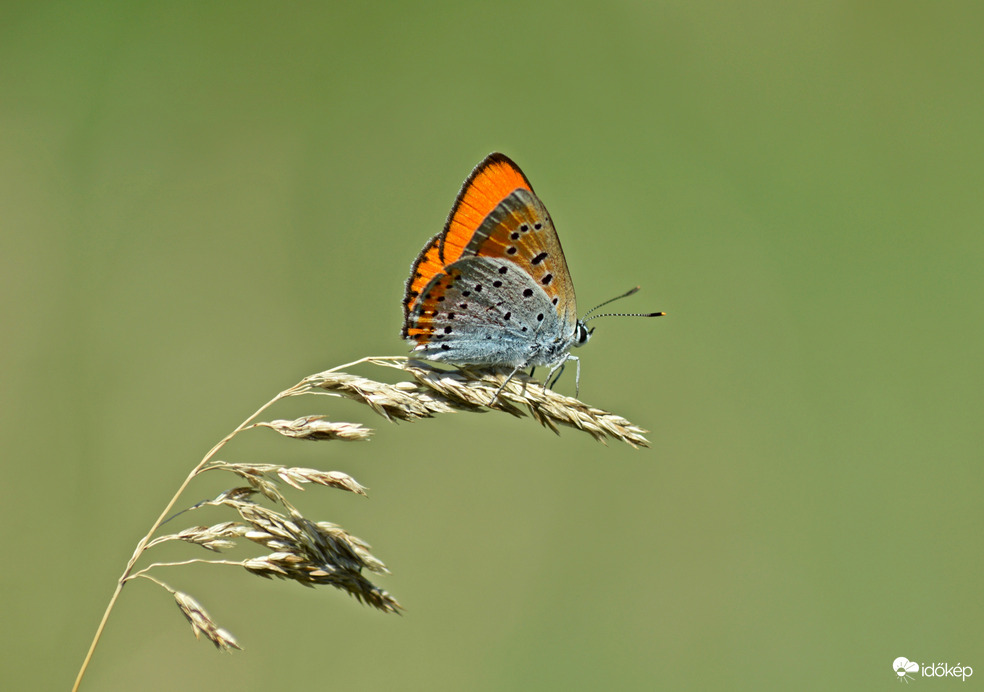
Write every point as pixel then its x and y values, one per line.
pixel 493 288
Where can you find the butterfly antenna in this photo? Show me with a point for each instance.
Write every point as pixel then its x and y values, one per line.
pixel 587 315
pixel 625 314
pixel 612 300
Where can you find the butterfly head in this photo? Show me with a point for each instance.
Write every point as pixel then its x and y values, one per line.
pixel 582 333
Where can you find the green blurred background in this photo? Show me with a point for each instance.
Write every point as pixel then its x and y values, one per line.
pixel 204 202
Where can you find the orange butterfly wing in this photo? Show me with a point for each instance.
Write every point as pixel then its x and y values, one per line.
pixel 495 215
pixel 491 181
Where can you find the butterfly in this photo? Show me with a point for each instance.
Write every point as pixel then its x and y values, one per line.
pixel 493 289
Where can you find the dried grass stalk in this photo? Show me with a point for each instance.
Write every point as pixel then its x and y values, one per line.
pixel 314 553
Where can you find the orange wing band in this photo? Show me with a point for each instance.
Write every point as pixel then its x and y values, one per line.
pixel 492 181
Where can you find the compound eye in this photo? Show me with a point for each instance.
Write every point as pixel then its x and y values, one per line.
pixel 582 333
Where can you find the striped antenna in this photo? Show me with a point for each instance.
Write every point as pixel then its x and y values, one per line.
pixel 587 315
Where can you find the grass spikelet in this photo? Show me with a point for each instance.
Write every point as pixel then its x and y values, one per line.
pixel 203 624
pixel 320 553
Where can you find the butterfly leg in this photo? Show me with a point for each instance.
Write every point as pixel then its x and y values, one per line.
pixel 503 385
pixel 559 370
pixel 577 374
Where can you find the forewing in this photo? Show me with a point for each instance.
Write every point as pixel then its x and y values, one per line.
pixel 490 182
